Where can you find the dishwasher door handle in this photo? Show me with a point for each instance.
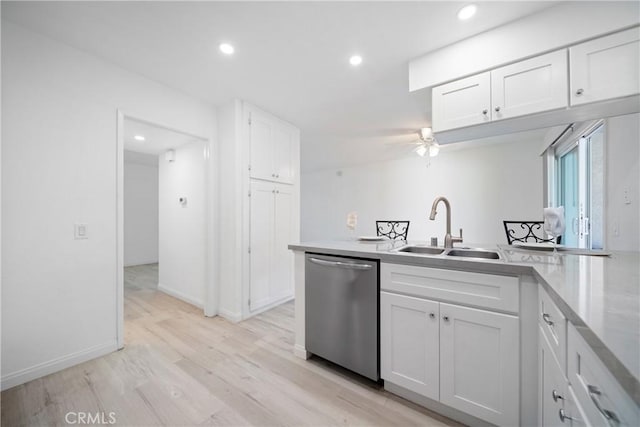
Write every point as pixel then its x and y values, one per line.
pixel 339 264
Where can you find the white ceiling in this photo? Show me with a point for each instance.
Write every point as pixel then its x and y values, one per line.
pixel 157 140
pixel 291 58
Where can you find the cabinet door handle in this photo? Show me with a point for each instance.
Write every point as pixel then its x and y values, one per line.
pixel 579 92
pixel 432 315
pixel 563 415
pixel 277 175
pixel 594 394
pixel 556 396
pixel 547 319
pixel 485 111
pixel 445 318
pixel 497 109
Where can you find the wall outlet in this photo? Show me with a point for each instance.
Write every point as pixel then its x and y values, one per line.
pixel 80 231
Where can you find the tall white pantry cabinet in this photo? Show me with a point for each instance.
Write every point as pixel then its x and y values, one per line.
pixel 259 186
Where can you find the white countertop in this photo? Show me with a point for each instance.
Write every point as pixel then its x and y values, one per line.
pixel 600 295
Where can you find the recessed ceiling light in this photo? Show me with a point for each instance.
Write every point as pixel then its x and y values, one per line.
pixel 355 60
pixel 226 48
pixel 467 12
pixel 139 138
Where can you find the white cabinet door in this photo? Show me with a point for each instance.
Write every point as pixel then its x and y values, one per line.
pixel 479 363
pixel 283 149
pixel 272 148
pixel 282 266
pixel 261 243
pixel 409 341
pixel 261 136
pixel 532 86
pixel 605 68
pixel 553 385
pixel 462 103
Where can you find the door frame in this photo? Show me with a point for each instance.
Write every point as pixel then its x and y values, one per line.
pixel 211 288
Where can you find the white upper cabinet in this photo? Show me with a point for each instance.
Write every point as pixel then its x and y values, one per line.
pixel 526 87
pixel 272 146
pixel 605 68
pixel 462 103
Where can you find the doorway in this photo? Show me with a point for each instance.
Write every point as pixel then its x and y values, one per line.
pixel 163 216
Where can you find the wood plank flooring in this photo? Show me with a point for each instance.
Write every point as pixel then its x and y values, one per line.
pixel 181 368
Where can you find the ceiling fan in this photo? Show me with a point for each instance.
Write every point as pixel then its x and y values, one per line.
pixel 428 143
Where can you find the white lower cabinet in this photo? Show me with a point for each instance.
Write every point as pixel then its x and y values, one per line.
pixel 271 263
pixel 464 357
pixel 409 336
pixel 479 363
pixel 553 387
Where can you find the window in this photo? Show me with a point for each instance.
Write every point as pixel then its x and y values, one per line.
pixel 575 172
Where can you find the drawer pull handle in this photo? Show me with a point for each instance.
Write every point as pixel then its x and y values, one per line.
pixel 594 394
pixel 497 109
pixel 563 415
pixel 579 92
pixel 485 111
pixel 547 319
pixel 445 318
pixel 432 315
pixel 556 396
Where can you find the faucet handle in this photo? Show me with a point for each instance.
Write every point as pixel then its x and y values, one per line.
pixel 458 238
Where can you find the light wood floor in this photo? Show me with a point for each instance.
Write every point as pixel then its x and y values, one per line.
pixel 181 368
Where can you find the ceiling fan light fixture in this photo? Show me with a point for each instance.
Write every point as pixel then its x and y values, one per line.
pixel 434 149
pixel 421 150
pixel 426 134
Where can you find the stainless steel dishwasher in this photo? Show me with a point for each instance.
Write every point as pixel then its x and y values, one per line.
pixel 341 312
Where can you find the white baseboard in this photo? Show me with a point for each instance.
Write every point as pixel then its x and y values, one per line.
pixel 301 352
pixel 269 306
pixel 181 296
pixel 231 316
pixel 28 374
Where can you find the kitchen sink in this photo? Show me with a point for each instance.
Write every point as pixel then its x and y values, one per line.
pixel 471 253
pixel 426 250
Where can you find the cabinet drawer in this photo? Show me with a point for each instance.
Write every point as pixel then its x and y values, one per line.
pixel 552 384
pixel 596 391
pixel 554 327
pixel 476 289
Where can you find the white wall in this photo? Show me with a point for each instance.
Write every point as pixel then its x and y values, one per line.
pixel 231 171
pixel 182 244
pixel 622 146
pixel 485 186
pixel 58 168
pixel 140 208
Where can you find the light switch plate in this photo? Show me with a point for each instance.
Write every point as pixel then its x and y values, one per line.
pixel 80 231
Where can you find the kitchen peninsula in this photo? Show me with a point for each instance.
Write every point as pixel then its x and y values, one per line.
pixel 574 314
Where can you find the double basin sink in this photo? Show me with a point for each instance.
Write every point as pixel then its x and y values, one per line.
pixel 455 252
